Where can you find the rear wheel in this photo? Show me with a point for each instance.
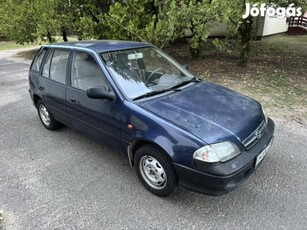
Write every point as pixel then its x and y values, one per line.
pixel 155 170
pixel 46 117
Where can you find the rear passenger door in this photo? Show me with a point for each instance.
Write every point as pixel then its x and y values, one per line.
pixel 98 118
pixel 52 83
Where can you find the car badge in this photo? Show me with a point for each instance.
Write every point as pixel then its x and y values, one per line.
pixel 258 134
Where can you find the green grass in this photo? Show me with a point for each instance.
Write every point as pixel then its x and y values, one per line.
pixel 286 92
pixel 285 44
pixel 13 45
pixel 287 84
pixel 7 45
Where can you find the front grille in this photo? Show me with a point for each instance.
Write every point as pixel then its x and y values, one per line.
pixel 255 136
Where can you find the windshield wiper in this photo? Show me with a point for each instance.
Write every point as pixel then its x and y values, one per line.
pixel 173 88
pixel 194 79
pixel 149 94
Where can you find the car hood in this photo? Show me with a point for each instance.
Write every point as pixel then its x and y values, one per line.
pixel 211 112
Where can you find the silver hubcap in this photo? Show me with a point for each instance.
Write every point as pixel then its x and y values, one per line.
pixel 44 114
pixel 152 172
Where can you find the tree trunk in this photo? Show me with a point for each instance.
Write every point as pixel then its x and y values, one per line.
pixel 64 34
pixel 195 52
pixel 245 31
pixel 49 37
pixel 244 54
pixel 195 49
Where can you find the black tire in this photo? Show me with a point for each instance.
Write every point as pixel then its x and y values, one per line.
pixel 46 117
pixel 155 170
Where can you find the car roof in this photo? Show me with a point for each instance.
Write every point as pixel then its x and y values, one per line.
pixel 102 45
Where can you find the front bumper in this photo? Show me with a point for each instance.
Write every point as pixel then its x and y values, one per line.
pixel 221 178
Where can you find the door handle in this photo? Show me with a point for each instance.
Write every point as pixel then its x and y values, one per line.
pixel 72 100
pixel 41 88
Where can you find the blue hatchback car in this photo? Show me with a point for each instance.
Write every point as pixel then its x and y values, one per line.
pixel 174 128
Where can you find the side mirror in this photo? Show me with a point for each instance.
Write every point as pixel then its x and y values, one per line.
pixel 100 93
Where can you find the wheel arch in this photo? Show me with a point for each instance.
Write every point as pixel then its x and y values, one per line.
pixel 36 98
pixel 135 145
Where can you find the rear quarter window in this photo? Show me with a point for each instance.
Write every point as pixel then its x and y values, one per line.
pixel 38 60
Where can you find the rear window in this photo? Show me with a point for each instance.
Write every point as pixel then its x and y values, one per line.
pixel 38 60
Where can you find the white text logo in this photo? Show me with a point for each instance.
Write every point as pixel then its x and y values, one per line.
pixel 270 11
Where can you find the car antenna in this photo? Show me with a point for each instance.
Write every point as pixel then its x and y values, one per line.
pixel 142 39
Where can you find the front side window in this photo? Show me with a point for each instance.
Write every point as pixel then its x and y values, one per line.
pixel 38 60
pixel 86 72
pixel 142 71
pixel 58 65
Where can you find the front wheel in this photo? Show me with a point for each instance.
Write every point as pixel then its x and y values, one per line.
pixel 155 170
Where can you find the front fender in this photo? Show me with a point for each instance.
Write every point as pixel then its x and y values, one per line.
pixel 140 125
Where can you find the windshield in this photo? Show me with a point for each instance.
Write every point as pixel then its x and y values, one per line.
pixel 142 71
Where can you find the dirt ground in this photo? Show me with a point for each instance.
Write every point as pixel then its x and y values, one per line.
pixel 276 74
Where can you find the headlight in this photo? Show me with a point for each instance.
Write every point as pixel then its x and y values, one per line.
pixel 265 115
pixel 219 152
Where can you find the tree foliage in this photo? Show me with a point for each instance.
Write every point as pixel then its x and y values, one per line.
pixel 18 21
pixel 195 17
pixel 155 21
pixel 244 29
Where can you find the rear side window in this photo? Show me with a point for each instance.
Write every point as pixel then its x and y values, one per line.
pixel 46 67
pixel 38 60
pixel 58 65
